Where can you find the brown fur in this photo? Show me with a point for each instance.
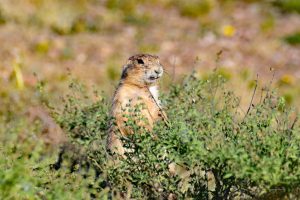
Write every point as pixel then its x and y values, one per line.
pixel 139 74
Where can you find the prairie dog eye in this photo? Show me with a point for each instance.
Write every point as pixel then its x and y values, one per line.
pixel 140 61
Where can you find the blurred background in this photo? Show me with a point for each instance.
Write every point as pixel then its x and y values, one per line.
pixel 46 44
pixel 91 40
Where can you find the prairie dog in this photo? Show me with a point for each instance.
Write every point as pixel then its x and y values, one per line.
pixel 138 86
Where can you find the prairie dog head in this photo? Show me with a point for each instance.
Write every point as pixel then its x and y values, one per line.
pixel 142 70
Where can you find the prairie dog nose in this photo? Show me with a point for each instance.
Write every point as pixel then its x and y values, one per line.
pixel 158 71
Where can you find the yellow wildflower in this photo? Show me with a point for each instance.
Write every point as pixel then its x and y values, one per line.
pixel 228 30
pixel 287 79
pixel 18 74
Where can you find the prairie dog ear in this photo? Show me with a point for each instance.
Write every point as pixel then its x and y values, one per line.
pixel 129 62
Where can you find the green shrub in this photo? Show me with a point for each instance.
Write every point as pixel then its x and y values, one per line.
pixel 25 160
pixel 288 5
pixel 293 39
pixel 194 8
pixel 2 18
pixel 249 154
pixel 246 155
pixel 24 167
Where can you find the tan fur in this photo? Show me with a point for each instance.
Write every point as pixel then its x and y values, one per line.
pixel 134 89
pixel 139 74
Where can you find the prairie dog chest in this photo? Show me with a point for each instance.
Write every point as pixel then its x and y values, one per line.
pixel 155 93
pixel 128 96
pixel 154 102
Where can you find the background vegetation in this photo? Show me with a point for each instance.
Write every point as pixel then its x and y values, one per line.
pixel 43 42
